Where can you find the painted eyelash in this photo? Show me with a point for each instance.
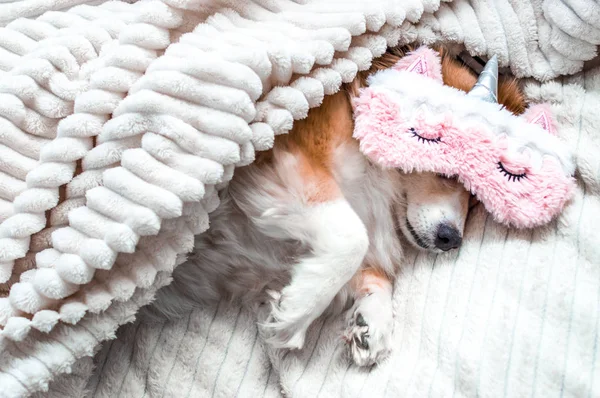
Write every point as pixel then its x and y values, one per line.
pixel 413 131
pixel 514 177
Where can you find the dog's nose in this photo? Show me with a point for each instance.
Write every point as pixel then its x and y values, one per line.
pixel 448 237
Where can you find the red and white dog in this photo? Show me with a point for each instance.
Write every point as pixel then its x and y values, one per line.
pixel 316 222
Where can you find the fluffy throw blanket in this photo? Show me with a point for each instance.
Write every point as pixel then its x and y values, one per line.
pixel 118 122
pixel 513 313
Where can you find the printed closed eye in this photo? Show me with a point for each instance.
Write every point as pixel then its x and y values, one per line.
pixel 415 133
pixel 510 175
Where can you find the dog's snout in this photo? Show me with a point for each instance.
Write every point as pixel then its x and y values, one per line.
pixel 447 238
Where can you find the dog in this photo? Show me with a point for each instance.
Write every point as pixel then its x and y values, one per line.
pixel 313 227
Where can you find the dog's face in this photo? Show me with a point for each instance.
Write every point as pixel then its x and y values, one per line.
pixel 433 211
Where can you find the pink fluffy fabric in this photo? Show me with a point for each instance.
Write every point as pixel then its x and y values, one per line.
pixel 521 182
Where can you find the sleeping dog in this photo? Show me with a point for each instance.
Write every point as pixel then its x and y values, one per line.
pixel 313 226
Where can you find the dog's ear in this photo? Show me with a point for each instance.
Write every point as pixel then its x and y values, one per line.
pixel 423 61
pixel 541 115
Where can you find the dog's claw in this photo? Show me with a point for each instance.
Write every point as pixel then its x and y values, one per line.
pixel 360 320
pixel 362 341
pixel 368 338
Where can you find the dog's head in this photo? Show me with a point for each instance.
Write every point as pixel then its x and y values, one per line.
pixel 432 211
pixel 407 118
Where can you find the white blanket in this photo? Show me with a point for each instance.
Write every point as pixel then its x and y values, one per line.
pixel 13 9
pixel 506 317
pixel 514 313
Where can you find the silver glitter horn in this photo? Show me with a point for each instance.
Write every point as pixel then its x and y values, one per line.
pixel 486 88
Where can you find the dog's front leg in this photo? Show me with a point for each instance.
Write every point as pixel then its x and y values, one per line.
pixel 371 319
pixel 338 240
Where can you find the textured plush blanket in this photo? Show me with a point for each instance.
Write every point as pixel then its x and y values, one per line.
pixel 117 123
pixel 514 313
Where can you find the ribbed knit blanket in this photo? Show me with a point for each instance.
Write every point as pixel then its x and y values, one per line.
pixel 513 314
pixel 119 122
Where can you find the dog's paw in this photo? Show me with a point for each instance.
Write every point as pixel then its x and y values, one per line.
pixel 369 332
pixel 280 329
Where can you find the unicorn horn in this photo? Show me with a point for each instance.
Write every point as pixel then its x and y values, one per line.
pixel 486 88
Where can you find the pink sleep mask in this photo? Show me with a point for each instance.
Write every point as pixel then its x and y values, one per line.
pixel 406 118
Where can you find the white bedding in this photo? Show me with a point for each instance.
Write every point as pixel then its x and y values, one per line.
pixel 513 314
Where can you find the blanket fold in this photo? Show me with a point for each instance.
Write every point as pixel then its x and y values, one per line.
pixel 158 108
pixel 120 122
